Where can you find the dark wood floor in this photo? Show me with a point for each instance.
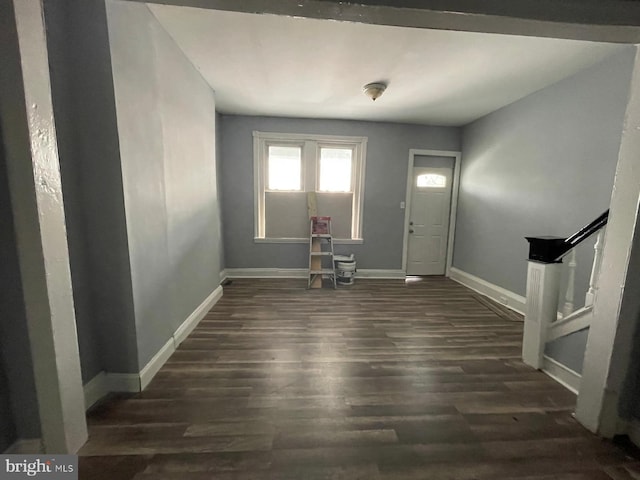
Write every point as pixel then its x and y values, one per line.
pixel 379 380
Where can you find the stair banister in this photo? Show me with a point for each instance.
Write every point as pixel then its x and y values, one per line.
pixel 568 307
pixel 543 284
pixel 586 231
pixel 595 269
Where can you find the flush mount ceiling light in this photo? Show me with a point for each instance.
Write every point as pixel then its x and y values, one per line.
pixel 374 90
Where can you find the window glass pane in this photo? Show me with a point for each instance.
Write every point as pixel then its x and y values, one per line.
pixel 284 169
pixel 432 180
pixel 335 169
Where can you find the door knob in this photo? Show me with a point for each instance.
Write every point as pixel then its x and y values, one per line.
pixel 411 231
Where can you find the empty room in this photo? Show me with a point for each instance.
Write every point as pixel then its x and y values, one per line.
pixel 321 239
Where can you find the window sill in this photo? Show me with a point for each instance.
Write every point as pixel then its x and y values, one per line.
pixel 336 241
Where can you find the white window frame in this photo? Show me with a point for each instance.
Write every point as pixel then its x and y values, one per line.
pixel 311 145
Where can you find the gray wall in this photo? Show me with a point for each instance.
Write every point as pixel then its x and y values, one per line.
pixel 385 187
pixel 630 396
pixel 57 15
pixel 569 350
pixel 8 433
pixel 541 166
pixel 166 119
pixel 221 255
pixel 10 279
pixel 84 105
pixel 630 400
pixel 21 416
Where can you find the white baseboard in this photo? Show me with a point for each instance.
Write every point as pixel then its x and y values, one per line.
pixel 198 314
pixel 380 274
pixel 155 364
pixel 159 359
pixel 223 275
pixel 562 374
pixel 95 389
pixel 303 272
pixel 267 272
pixel 511 300
pixel 104 383
pixel 123 382
pixel 25 446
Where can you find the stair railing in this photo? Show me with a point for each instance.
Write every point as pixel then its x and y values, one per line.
pixel 595 269
pixel 545 318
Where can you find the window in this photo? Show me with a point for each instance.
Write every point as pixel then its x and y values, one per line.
pixel 284 168
pixel 335 169
pixel 431 180
pixel 287 167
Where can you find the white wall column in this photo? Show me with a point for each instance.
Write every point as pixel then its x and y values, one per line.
pixel 616 306
pixel 543 286
pixel 26 116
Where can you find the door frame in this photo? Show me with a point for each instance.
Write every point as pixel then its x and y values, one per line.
pixel 454 202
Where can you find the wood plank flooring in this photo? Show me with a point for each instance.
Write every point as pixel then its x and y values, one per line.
pixel 379 380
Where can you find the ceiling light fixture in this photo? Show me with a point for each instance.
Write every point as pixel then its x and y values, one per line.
pixel 374 90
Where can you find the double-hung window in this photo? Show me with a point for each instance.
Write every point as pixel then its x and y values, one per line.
pixel 289 167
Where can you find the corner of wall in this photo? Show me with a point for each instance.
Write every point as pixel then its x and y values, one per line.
pixel 509 299
pixel 106 382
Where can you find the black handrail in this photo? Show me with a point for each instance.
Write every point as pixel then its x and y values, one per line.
pixel 586 231
pixel 552 249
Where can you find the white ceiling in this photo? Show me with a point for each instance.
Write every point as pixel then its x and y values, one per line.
pixel 299 67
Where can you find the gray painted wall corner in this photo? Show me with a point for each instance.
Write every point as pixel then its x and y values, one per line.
pixel 14 333
pixel 84 106
pixel 20 416
pixel 543 165
pixel 219 176
pixel 167 124
pixel 629 407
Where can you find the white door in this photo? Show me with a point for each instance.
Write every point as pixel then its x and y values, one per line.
pixel 429 221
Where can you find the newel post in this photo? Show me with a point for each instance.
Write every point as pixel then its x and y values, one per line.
pixel 543 287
